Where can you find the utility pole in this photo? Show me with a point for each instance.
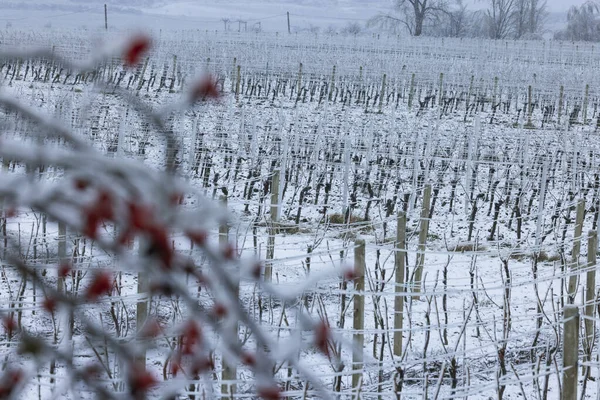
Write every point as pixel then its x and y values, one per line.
pixel 105 17
pixel 288 17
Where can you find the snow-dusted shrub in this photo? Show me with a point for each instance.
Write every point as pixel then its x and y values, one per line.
pixel 134 215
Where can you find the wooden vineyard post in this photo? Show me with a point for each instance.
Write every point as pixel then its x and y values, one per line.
pixel 560 101
pixel 411 91
pixel 470 92
pixel 416 284
pixel 332 85
pixel 359 313
pixel 574 278
pixel 62 253
pixel 174 75
pixel 60 288
pixel 441 89
pixel 299 80
pixel 275 196
pixel 495 95
pixel 233 73
pixel 141 311
pixel 570 352
pixel 272 228
pixel 288 23
pixel 141 78
pixel 237 83
pixel 590 288
pixel 229 372
pixel 105 17
pixel 382 93
pixel 529 106
pixel 585 103
pixel 360 83
pixel 400 288
pixel 3 212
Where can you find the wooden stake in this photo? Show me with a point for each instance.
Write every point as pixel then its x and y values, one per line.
pixel 62 253
pixel 411 91
pixel 237 83
pixel 299 80
pixel 275 196
pixel 331 87
pixel 529 105
pixel 560 102
pixel 570 352
pixel 416 287
pixel 141 311
pixel 574 278
pixel 105 18
pixel 399 264
pixel 288 21
pixel 441 89
pixel 359 313
pixel 229 372
pixel 585 103
pixel 382 93
pixel 470 92
pixel 274 218
pixel 590 289
pixel 495 90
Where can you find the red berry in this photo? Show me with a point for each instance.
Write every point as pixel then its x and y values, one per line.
pixel 64 269
pixel 104 205
pixel 176 198
pixel 49 304
pixel 270 393
pixel 175 366
pixel 229 252
pixel 9 325
pixel 190 337
pixel 350 275
pixel 322 333
pixel 140 216
pixel 101 284
pixel 92 223
pixel 92 371
pixel 205 88
pixel 248 358
pixel 256 270
pixel 219 310
pixel 81 184
pixel 161 246
pixel 141 380
pixel 198 238
pixel 136 49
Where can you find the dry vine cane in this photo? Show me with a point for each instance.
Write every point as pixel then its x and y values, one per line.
pixel 97 193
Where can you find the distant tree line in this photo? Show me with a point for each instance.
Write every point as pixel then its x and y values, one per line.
pixel 500 19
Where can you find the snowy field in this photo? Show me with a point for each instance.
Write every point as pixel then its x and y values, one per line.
pixel 490 149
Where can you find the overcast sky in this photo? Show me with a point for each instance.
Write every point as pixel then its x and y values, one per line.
pixel 186 14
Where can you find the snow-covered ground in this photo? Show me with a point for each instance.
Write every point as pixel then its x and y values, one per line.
pixel 488 314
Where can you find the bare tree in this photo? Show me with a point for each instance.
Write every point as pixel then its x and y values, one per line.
pixel 352 28
pixel 583 23
pixel 529 17
pixel 413 15
pixel 498 18
pixel 456 21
